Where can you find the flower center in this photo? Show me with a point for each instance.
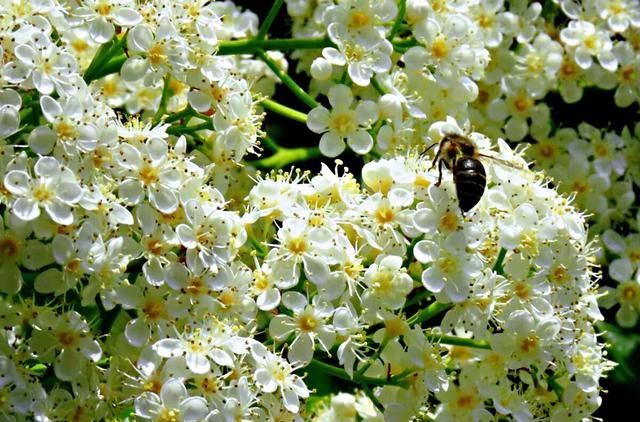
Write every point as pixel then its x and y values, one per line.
pixel 359 20
pixel 42 193
pixel 148 175
pixel 297 246
pixel 439 48
pixel 9 248
pixel 343 124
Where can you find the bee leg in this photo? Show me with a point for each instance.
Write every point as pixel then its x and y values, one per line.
pixel 439 172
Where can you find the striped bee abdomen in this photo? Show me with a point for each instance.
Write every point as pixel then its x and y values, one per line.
pixel 470 180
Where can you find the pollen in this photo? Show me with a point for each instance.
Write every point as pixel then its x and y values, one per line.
pixel 157 55
pixel 170 415
pixel 9 248
pixel 297 246
pixel 529 344
pixel 148 174
pixel 521 290
pixel 628 74
pixel 42 193
pixel 383 282
pixel 65 131
pixel 629 293
pixel 568 69
pixel 228 298
pixel 153 309
pixel 307 322
pixel 439 48
pixel 465 401
pixel 448 264
pixel 535 63
pixel 103 8
pixel 590 42
pixel 384 215
pixel 634 255
pixel 547 150
pixel 67 338
pixel 359 20
pixel 522 103
pixel 343 124
pixel 601 150
pixel 485 21
pixel 559 274
pixel 155 246
pixel 449 221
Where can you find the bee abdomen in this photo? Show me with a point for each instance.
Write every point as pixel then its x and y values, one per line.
pixel 470 180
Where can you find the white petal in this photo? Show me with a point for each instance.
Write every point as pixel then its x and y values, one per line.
pixel 163 200
pixel 340 97
pixel 222 358
pixel 193 409
pixel 331 145
pixel 318 120
pixel 101 30
pixel 360 142
pixel 172 393
pixel 48 281
pixel 17 182
pixel 51 109
pixel 42 139
pixel 9 121
pixel 26 209
pixel 168 347
pixel 11 278
pixel 59 213
pixel 265 381
pixel 68 365
pixel 137 332
pixel 301 350
pixel 134 69
pixel 90 349
pixel 125 16
pixel 198 363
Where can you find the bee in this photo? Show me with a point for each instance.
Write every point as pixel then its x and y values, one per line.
pixel 460 156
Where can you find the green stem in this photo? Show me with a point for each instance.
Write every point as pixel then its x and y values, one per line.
pixel 373 358
pixel 402 8
pixel 427 313
pixel 191 130
pixel 459 341
pixel 166 94
pixel 498 266
pixel 108 59
pixel 250 46
pixel 273 12
pixel 286 79
pixel 359 380
pixel 377 86
pixel 283 110
pixel 286 156
pixel 268 142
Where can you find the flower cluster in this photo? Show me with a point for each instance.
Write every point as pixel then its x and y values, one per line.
pixel 148 271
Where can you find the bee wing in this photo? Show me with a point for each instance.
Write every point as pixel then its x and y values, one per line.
pixel 504 162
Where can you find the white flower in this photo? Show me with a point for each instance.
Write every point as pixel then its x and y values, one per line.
pixel 274 373
pixel 47 67
pixel 101 15
pixel 619 14
pixel 365 53
pixel 387 283
pixel 70 334
pixel 173 403
pixel 154 55
pixel 308 324
pixel 452 269
pixel 343 122
pixel 55 188
pixel 588 41
pixel 525 340
pixel 148 171
pixel 208 340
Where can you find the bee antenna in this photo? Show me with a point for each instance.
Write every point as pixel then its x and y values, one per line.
pixel 427 150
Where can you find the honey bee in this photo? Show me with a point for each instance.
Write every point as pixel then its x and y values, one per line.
pixel 460 155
